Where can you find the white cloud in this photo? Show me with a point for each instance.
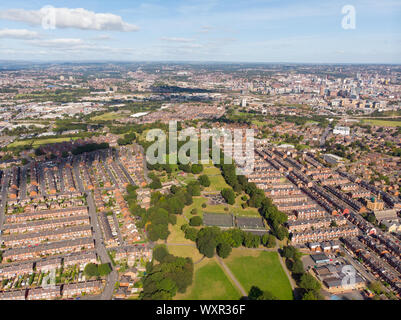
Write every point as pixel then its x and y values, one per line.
pixel 173 39
pixel 18 34
pixel 70 18
pixel 103 37
pixel 60 42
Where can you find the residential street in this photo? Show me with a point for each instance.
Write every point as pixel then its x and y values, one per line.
pixel 97 234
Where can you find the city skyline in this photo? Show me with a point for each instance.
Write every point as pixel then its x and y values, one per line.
pixel 208 31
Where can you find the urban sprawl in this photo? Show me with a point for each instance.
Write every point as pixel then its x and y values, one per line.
pixel 84 215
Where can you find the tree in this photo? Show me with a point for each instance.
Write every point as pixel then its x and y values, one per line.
pixel 164 280
pixel 104 269
pixel 268 240
pixel 91 270
pixel 204 180
pixel 193 188
pixel 310 295
pixel 280 231
pixel 297 267
pixel 267 295
pixel 376 287
pixel 236 237
pixel 160 252
pixel 196 168
pixel 251 240
pixel 291 252
pixel 206 241
pixel 228 195
pixel 308 282
pixel 223 250
pixel 39 152
pixel 255 293
pixel 191 234
pixel 185 167
pixel 155 184
pixel 195 221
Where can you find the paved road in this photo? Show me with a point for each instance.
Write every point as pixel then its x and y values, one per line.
pixel 41 179
pixel 61 178
pixel 97 234
pixel 324 136
pixel 124 170
pixel 111 175
pixel 4 193
pixel 232 277
pixel 22 191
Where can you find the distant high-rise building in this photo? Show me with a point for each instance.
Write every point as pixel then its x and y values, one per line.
pixel 62 78
pixel 243 103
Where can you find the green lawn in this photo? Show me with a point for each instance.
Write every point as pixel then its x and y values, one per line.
pixel 185 251
pixel 108 116
pixel 210 283
pixel 176 234
pixel 217 182
pixel 382 123
pixel 261 269
pixel 39 142
pixel 198 201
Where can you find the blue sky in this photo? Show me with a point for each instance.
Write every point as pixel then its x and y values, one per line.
pixel 207 30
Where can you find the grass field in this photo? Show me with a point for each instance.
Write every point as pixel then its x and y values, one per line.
pixel 176 234
pixel 210 283
pixel 185 251
pixel 382 123
pixel 198 201
pixel 38 142
pixel 217 182
pixel 261 269
pixel 108 116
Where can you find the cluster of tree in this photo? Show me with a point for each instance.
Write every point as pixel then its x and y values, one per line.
pixel 204 180
pixel 162 212
pixel 158 220
pixel 127 139
pixel 194 188
pixel 156 183
pixel 255 293
pixel 275 218
pixel 131 196
pixel 90 147
pixel 191 168
pixel 228 195
pixel 323 122
pixel 66 125
pixel 195 221
pixel 97 270
pixel 167 277
pixel 160 167
pixel 212 239
pixel 310 287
